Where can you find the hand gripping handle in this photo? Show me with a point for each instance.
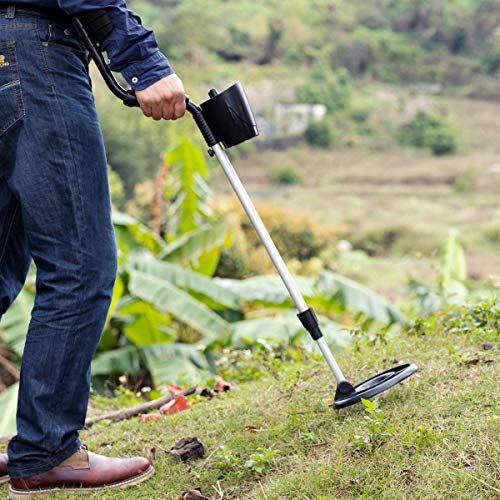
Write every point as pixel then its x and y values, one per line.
pixel 128 96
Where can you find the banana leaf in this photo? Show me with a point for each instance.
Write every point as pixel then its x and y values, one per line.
pixel 214 295
pixel 172 300
pixel 286 329
pixel 196 248
pixel 337 293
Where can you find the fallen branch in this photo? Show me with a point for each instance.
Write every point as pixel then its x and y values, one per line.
pixel 126 413
pixel 10 367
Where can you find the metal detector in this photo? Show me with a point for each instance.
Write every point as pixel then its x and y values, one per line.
pixel 226 118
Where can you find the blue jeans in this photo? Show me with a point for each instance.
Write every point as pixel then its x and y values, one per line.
pixel 55 209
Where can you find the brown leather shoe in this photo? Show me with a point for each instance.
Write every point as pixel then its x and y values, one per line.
pixel 83 471
pixel 4 476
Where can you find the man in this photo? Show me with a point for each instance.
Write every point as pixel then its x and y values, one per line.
pixel 55 209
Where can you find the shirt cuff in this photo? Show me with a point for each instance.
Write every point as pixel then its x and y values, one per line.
pixel 141 74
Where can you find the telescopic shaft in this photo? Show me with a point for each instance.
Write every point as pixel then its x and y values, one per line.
pixel 271 249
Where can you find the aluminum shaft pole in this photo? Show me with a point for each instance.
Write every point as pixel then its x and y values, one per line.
pixel 271 249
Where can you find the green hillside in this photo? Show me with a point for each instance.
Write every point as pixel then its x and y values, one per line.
pixel 336 53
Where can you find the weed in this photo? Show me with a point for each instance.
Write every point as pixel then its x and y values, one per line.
pixel 414 437
pixel 364 336
pixel 481 320
pixel 466 357
pixel 309 438
pixel 260 461
pixel 262 359
pixel 377 429
pixel 121 398
pixel 225 459
pixel 257 463
pixel 423 436
pixel 461 358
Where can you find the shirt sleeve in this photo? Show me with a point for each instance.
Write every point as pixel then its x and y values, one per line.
pixel 131 48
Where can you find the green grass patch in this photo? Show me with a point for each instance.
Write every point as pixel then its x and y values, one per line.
pixel 434 436
pixel 287 175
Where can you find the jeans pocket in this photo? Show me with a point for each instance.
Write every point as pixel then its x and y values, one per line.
pixel 61 38
pixel 11 98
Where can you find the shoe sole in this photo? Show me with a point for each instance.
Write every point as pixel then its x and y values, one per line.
pixel 4 480
pixel 45 492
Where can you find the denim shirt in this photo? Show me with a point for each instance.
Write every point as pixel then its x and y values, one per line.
pixel 132 49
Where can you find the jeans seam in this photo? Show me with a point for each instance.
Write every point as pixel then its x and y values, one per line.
pixel 45 66
pixel 9 231
pixel 16 26
pixel 15 76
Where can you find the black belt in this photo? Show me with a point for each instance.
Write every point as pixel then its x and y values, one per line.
pixel 55 15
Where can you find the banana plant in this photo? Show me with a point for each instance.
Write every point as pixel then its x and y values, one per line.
pixel 329 293
pixel 187 188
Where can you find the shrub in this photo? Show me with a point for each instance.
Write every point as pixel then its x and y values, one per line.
pixel 320 134
pixel 381 53
pixel 324 86
pixel 287 174
pixel 361 114
pixel 297 237
pixel 427 130
pixel 440 140
pixel 394 240
pixel 412 133
pixel 233 264
pixel 301 244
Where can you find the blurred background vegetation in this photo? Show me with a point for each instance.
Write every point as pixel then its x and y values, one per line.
pixel 379 69
pixel 377 173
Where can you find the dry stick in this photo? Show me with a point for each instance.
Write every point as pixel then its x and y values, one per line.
pixel 262 489
pixel 478 479
pixel 126 413
pixel 118 415
pixel 10 367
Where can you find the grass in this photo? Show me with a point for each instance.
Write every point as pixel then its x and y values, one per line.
pixel 441 431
